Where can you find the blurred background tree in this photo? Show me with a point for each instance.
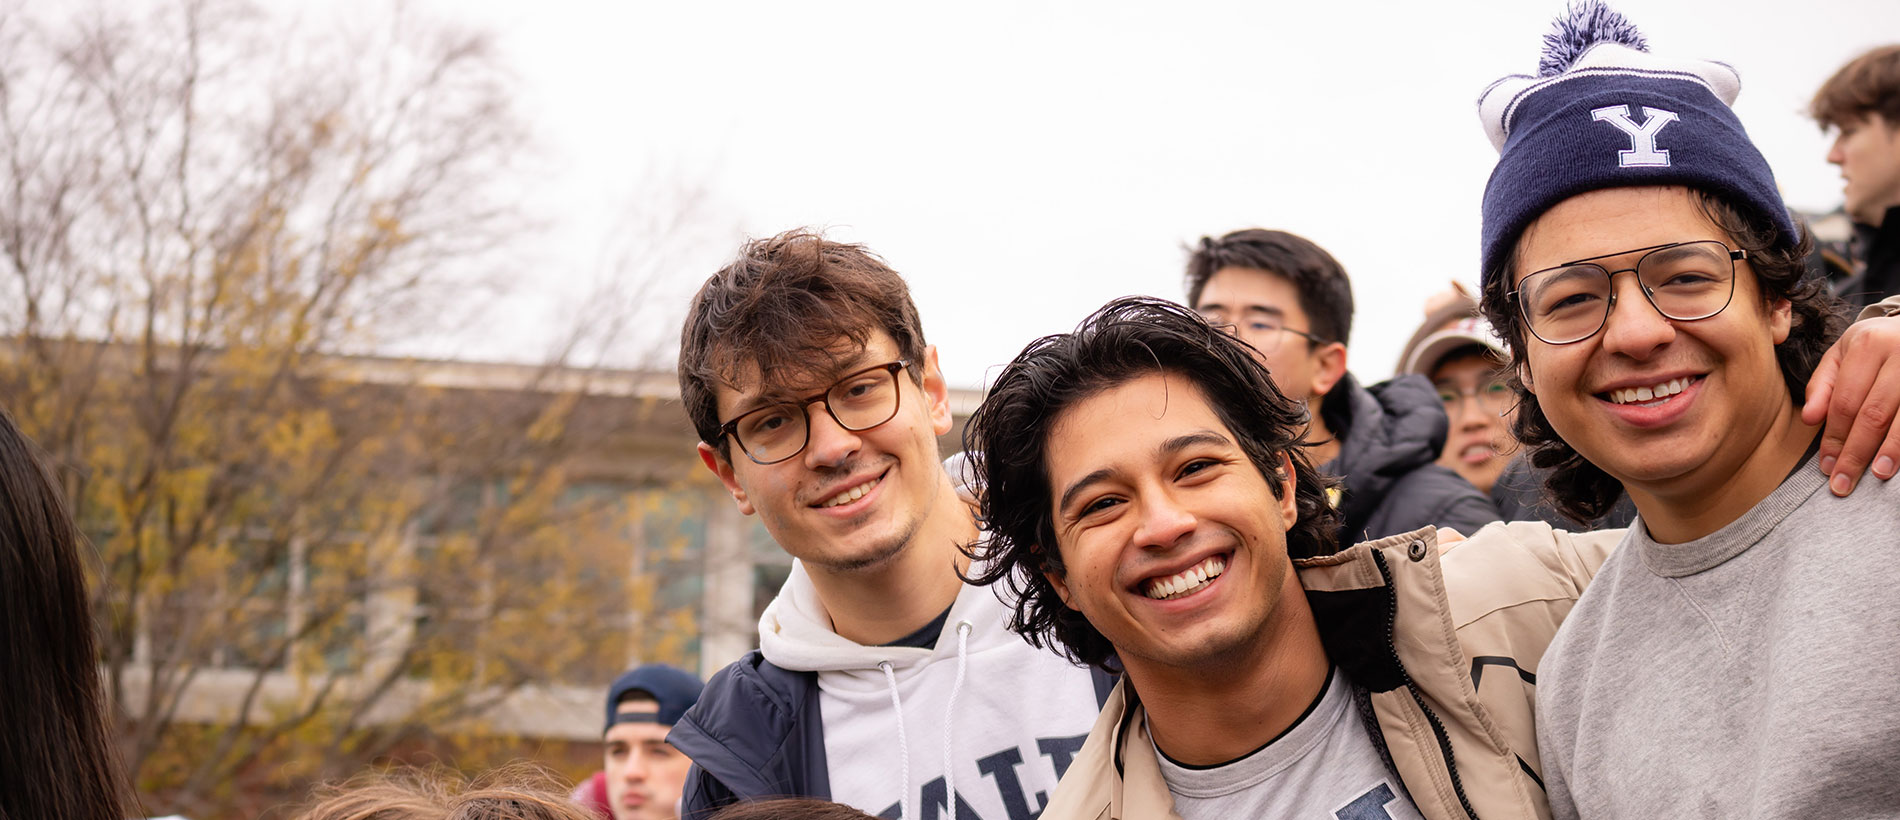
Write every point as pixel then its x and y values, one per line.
pixel 314 557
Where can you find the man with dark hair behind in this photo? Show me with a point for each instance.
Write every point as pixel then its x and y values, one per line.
pixel 1151 507
pixel 882 681
pixel 1861 105
pixel 1735 656
pixel 1291 301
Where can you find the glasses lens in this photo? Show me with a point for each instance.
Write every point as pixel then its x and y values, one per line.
pixel 1565 304
pixel 1689 281
pixel 1495 396
pixel 1263 334
pixel 864 400
pixel 772 433
pixel 1492 396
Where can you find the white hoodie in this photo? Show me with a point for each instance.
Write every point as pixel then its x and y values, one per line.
pixel 1000 716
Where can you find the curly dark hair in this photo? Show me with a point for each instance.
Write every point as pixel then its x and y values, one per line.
pixel 1007 441
pixel 1579 488
pixel 790 304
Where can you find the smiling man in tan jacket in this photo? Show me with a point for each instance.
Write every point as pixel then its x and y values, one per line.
pixel 1151 509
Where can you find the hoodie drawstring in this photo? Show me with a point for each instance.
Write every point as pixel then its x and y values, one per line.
pixel 903 744
pixel 949 718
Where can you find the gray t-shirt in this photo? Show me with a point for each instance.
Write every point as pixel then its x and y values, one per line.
pixel 1323 767
pixel 1754 672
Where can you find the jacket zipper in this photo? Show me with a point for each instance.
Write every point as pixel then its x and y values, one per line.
pixel 1438 727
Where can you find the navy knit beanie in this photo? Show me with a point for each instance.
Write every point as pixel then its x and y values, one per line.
pixel 1603 112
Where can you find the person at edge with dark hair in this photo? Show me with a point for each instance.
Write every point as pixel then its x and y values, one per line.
pixel 1151 506
pixel 882 681
pixel 643 775
pixel 1860 104
pixel 57 758
pixel 1292 301
pixel 1735 656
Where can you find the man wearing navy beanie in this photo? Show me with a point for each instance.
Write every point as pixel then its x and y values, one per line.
pixel 1735 656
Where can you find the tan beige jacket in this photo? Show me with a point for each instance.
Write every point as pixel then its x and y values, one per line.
pixel 1452 690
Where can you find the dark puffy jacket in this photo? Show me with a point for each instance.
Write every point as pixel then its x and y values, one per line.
pixel 756 733
pixel 1392 435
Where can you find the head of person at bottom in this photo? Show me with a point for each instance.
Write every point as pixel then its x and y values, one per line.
pixel 1146 493
pixel 1645 274
pixel 790 808
pixel 518 791
pixel 645 774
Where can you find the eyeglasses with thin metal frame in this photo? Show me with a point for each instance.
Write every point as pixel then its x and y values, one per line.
pixel 1262 326
pixel 1683 281
pixel 863 399
pixel 1491 395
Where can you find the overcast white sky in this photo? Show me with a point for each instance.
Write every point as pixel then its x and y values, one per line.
pixel 1023 162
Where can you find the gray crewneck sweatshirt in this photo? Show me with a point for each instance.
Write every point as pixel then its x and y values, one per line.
pixel 1754 672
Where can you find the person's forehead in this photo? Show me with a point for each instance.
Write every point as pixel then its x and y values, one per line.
pixel 1242 289
pixel 1094 432
pixel 1612 221
pixel 637 732
pixel 750 388
pixel 1467 371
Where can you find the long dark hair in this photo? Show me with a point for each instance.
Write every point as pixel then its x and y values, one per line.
pixel 56 756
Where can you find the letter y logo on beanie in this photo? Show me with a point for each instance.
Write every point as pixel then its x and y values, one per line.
pixel 1643 151
pixel 1599 91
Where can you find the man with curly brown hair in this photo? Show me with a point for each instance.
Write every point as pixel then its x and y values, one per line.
pixel 881 680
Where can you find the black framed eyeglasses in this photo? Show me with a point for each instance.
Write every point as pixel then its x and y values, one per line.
pixel 1266 330
pixel 1684 281
pixel 860 401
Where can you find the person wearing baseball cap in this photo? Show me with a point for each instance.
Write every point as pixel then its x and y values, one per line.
pixel 1733 657
pixel 644 774
pixel 1455 349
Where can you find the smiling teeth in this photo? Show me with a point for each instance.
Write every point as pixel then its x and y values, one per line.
pixel 1661 391
pixel 851 495
pixel 1186 581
